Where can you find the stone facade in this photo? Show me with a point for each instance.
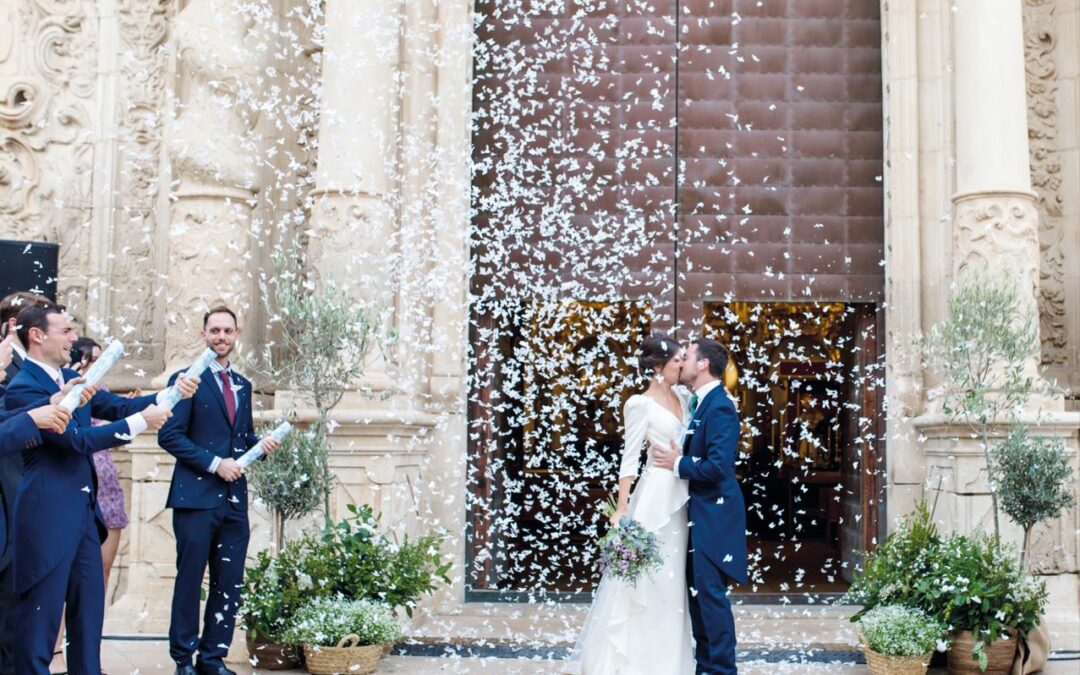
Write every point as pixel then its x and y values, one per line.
pixel 109 112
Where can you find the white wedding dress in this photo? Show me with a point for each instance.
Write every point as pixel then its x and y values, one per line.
pixel 644 629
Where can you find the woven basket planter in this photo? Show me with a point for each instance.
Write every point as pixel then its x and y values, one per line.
pixel 345 659
pixel 882 664
pixel 1000 656
pixel 273 656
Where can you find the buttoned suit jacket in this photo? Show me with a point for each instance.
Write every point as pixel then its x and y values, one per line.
pixel 59 485
pixel 198 431
pixel 717 512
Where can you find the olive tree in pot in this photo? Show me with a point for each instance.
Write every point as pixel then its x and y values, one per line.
pixel 324 341
pixel 983 355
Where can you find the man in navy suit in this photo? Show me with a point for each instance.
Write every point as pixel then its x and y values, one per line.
pixel 11 469
pixel 208 496
pixel 19 432
pixel 57 526
pixel 717 513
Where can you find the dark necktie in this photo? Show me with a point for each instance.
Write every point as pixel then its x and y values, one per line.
pixel 230 399
pixel 693 403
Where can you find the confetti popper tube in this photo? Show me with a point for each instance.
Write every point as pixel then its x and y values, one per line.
pixel 257 451
pixel 113 353
pixel 172 396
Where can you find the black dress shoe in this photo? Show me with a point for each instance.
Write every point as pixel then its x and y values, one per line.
pixel 186 670
pixel 205 670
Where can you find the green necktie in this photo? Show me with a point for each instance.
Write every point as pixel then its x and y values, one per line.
pixel 693 403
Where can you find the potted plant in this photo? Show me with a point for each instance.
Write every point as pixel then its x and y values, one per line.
pixel 340 635
pixel 362 563
pixel 977 588
pixel 898 640
pixel 270 597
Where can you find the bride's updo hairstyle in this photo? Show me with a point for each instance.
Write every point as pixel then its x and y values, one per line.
pixel 656 351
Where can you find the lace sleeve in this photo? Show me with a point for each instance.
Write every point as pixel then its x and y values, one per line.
pixel 636 421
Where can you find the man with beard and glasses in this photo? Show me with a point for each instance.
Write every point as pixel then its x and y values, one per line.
pixel 208 495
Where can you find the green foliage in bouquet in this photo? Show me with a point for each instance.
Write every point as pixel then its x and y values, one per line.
pixel 895 630
pixel 1034 478
pixel 325 621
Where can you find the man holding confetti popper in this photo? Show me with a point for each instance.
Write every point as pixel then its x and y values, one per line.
pixel 208 495
pixel 57 527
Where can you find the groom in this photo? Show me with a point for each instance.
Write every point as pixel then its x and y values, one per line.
pixel 717 543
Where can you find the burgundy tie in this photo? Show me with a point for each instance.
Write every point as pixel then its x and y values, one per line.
pixel 230 399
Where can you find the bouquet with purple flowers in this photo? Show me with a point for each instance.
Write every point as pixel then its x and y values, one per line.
pixel 628 551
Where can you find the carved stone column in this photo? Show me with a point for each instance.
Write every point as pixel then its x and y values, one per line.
pixel 354 230
pixel 219 60
pixel 995 221
pixel 995 226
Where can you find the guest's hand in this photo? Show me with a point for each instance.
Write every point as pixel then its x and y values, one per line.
pixel 270 444
pixel 229 470
pixel 7 351
pixel 155 417
pixel 665 458
pixel 187 385
pixel 136 393
pixel 84 398
pixel 50 418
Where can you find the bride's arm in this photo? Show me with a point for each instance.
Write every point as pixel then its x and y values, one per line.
pixel 636 421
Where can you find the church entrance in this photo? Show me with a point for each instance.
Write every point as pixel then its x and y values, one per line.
pixel 699 168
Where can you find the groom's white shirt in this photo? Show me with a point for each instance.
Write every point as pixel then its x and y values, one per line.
pixel 701 392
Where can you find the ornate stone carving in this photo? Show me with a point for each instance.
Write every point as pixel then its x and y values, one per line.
pixel 137 234
pixel 1040 38
pixel 220 62
pixel 47 149
pixel 222 54
pixel 998 230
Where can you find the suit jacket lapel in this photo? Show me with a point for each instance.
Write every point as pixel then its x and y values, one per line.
pixel 42 377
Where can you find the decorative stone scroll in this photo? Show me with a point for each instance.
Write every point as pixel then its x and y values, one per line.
pixel 1040 43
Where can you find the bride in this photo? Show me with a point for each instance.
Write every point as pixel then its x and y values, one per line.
pixel 645 627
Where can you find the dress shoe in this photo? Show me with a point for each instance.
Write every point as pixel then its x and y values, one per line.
pixel 210 670
pixel 186 670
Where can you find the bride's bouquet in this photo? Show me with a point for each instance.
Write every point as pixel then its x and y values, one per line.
pixel 628 551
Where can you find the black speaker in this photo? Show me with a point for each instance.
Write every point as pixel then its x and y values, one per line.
pixel 28 266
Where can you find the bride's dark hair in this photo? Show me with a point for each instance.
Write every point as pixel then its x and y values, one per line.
pixel 656 351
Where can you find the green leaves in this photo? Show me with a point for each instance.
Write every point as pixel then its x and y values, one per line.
pixel 963 582
pixel 1033 477
pixel 293 481
pixel 984 354
pixel 895 630
pixel 348 558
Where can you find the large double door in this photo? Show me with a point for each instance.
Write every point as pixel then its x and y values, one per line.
pixel 696 167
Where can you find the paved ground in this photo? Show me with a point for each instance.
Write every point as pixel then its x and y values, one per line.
pixel 150 657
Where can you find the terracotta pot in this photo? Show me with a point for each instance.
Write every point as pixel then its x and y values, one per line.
pixel 1000 655
pixel 271 655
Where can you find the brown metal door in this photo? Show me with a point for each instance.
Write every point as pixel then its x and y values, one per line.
pixel 780 153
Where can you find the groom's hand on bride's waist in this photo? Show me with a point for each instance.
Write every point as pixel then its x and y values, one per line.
pixel 665 457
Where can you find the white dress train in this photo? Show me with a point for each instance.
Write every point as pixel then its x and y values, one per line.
pixel 644 629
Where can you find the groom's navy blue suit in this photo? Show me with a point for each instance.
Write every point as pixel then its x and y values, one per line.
pixel 209 516
pixel 717 529
pixel 58 528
